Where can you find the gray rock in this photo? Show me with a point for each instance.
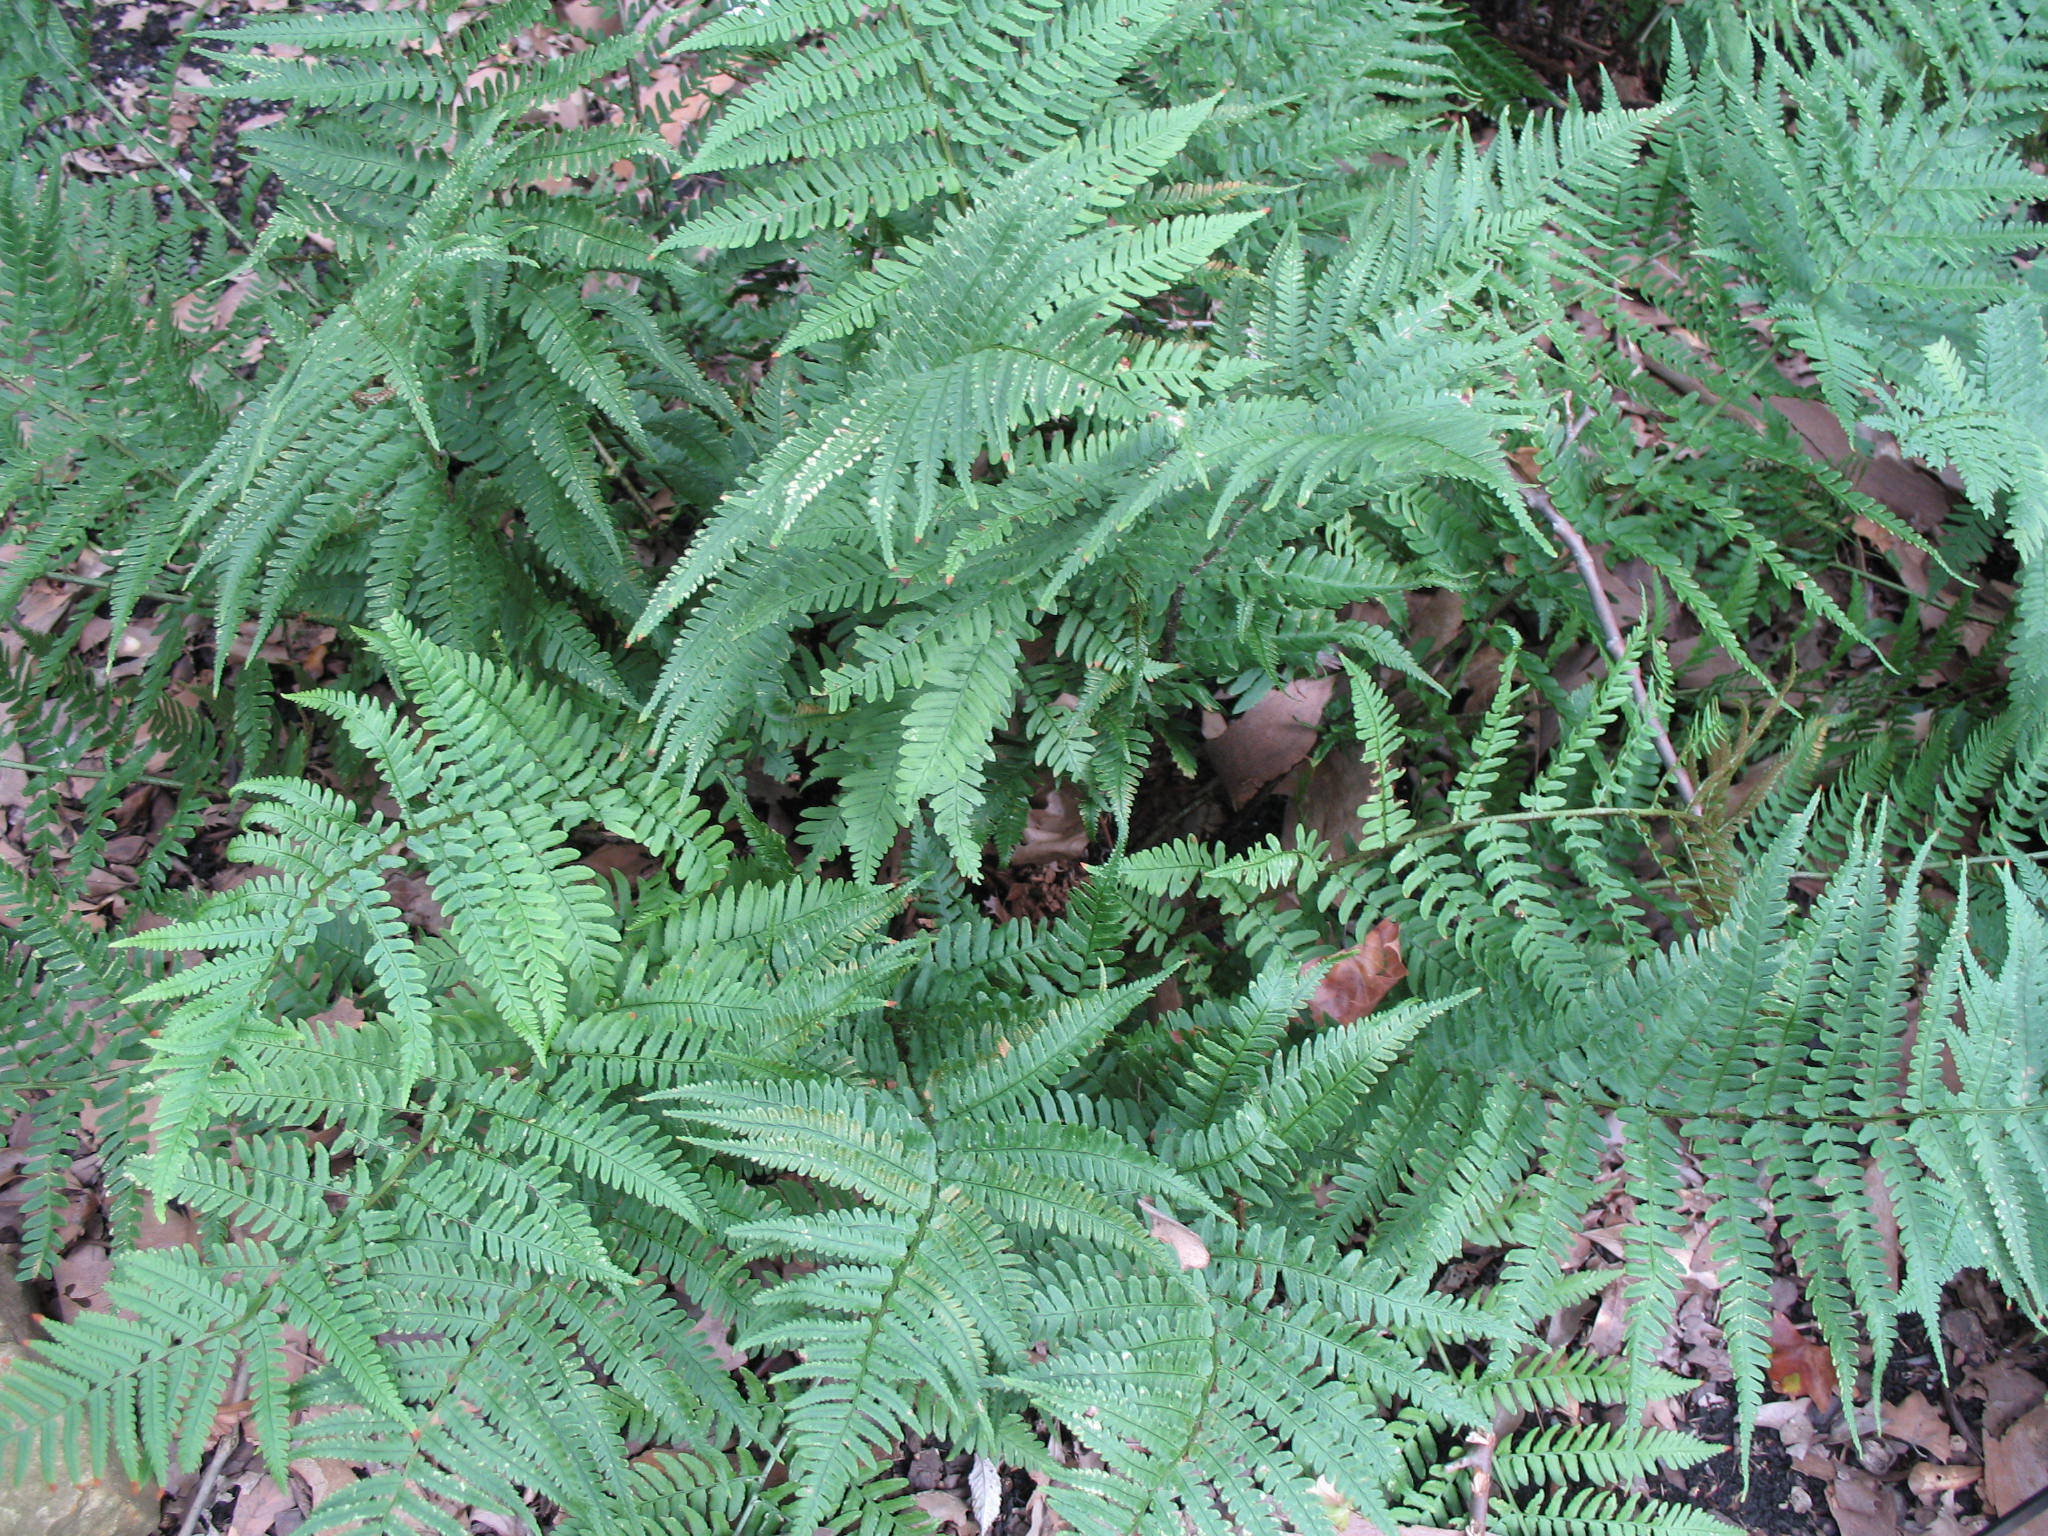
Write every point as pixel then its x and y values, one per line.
pixel 17 1307
pixel 98 1509
pixel 111 1507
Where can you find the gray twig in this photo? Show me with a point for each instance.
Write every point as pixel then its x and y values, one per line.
pixel 1610 629
pixel 202 1493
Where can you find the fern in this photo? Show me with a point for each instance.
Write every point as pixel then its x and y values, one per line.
pixel 861 419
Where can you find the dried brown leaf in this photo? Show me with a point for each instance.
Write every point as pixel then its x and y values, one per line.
pixel 2016 1463
pixel 1053 829
pixel 81 1276
pixel 1862 1506
pixel 947 1511
pixel 2009 1393
pixel 1192 1252
pixel 257 1506
pixel 1799 1367
pixel 1918 1422
pixel 1359 979
pixel 1271 737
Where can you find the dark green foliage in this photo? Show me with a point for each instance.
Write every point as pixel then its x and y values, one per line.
pixel 976 396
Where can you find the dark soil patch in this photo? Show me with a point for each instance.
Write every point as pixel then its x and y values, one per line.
pixel 1571 42
pixel 1777 1500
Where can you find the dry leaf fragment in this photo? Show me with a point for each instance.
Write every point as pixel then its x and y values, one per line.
pixel 1360 978
pixel 1053 831
pixel 320 1476
pixel 946 1509
pixel 1919 1423
pixel 82 1275
pixel 717 1336
pixel 1817 1464
pixel 1192 1252
pixel 257 1506
pixel 1883 1217
pixel 2009 1393
pixel 1799 1367
pixel 1610 1324
pixel 985 1483
pixel 2016 1463
pixel 1862 1506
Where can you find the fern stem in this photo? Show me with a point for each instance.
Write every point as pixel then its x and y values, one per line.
pixel 88 773
pixel 1510 818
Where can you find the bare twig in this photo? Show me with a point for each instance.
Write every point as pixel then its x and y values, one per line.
pixel 202 1493
pixel 1479 1462
pixel 1610 629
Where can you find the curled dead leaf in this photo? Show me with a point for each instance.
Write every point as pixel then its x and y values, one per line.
pixel 1359 979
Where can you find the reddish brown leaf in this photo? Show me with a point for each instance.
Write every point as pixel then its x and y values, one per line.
pixel 1361 977
pixel 1799 1367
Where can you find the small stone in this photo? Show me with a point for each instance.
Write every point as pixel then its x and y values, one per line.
pixel 113 1506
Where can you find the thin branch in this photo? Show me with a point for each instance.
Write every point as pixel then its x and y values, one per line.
pixel 1479 1462
pixel 1591 575
pixel 618 473
pixel 202 1495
